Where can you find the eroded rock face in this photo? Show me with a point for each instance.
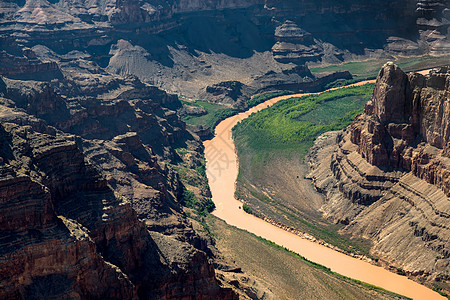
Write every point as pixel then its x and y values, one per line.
pixel 65 233
pixel 389 102
pixel 407 115
pixel 227 92
pixel 294 44
pixel 386 177
pixel 112 193
pixel 158 40
pixel 433 21
pixel 128 130
pixel 71 68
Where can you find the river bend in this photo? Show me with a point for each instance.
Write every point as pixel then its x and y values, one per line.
pixel 222 170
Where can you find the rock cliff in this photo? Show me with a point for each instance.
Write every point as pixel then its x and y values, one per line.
pixel 386 177
pixel 186 46
pixel 295 45
pixel 90 131
pixel 94 149
pixel 433 22
pixel 67 234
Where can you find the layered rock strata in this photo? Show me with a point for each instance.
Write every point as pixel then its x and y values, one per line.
pixel 86 71
pixel 127 130
pixel 158 41
pixel 434 22
pixel 294 44
pixel 386 177
pixel 66 234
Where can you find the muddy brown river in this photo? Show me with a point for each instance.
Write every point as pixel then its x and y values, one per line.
pixel 222 171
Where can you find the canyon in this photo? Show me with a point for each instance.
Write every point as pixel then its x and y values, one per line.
pixel 222 170
pixel 67 234
pixel 92 198
pixel 187 47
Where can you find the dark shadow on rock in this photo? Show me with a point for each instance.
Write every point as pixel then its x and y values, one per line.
pixel 231 32
pixel 6 153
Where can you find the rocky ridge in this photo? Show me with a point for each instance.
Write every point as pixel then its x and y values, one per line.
pixel 90 78
pixel 128 130
pixel 67 234
pixel 96 149
pixel 433 22
pixel 294 44
pixel 386 176
pixel 256 38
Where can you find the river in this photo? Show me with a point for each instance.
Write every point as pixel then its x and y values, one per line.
pixel 222 170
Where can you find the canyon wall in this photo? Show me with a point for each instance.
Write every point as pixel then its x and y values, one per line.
pixel 186 46
pixel 66 234
pixel 91 205
pixel 386 177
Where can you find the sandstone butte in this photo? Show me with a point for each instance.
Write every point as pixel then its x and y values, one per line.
pixel 387 176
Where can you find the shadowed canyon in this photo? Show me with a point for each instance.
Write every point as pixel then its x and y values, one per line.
pixel 117 158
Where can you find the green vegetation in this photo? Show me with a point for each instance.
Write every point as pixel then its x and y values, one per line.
pixel 215 114
pixel 294 254
pixel 420 63
pixel 222 115
pixel 325 269
pixel 247 208
pixel 285 132
pixel 362 69
pixel 260 98
pixel 287 274
pixel 282 134
pixel 438 287
pixel 190 201
pixel 188 198
pixel 296 122
pixel 400 271
pixel 330 235
pixel 181 151
pixel 195 186
pixel 344 82
pixel 326 232
pixel 202 171
pixel 441 292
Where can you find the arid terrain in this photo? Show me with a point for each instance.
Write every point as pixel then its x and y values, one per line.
pixel 376 193
pixel 399 148
pixel 103 108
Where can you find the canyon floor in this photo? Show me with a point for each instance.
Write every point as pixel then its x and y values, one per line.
pixel 104 107
pixel 283 273
pixel 280 191
pixel 272 184
pixel 271 178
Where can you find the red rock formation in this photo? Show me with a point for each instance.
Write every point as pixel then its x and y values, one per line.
pixel 404 111
pixel 387 176
pixel 18 62
pixel 294 44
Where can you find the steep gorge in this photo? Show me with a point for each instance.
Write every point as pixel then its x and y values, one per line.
pixel 89 131
pixel 187 46
pixel 103 217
